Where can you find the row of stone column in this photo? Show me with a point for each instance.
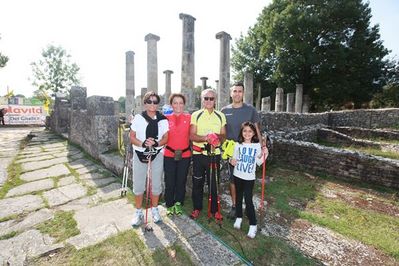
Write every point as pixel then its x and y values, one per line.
pixel 187 70
pixel 295 102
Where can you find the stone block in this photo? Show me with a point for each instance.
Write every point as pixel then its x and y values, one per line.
pixel 78 98
pixel 100 105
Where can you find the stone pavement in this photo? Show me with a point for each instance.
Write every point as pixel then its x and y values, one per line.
pixel 56 176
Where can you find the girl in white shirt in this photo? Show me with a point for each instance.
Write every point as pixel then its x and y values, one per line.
pixel 247 153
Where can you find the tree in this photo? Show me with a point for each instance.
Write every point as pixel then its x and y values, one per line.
pixel 121 102
pixel 3 60
pixel 54 72
pixel 326 45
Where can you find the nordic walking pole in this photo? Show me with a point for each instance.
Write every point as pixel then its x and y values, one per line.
pixel 262 207
pixel 148 227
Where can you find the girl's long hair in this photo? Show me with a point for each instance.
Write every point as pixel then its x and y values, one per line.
pixel 255 138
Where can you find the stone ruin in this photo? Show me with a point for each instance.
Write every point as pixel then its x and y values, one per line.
pixel 92 122
pixel 295 138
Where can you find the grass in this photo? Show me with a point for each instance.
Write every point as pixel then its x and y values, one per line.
pixel 9 235
pixel 61 227
pixel 125 248
pixel 13 171
pixel 263 250
pixel 367 226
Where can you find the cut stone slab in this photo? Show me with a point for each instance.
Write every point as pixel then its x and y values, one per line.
pixel 35 158
pixel 31 187
pixel 66 153
pixel 18 205
pixel 80 163
pixel 100 222
pixel 109 192
pixel 99 182
pixel 76 205
pixel 29 244
pixel 91 176
pixel 56 170
pixel 64 194
pixel 87 169
pixel 29 221
pixel 42 164
pixel 66 181
pixel 76 156
pixel 93 237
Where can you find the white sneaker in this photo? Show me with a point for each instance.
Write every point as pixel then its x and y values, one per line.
pixel 138 217
pixel 237 223
pixel 156 217
pixel 252 231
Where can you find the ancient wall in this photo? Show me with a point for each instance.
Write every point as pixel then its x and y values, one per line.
pixel 93 121
pixel 365 118
pixel 343 164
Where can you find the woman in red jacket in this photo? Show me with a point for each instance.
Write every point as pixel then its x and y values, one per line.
pixel 177 155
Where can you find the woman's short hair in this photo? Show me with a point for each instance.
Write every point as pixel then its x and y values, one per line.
pixel 149 94
pixel 174 95
pixel 204 92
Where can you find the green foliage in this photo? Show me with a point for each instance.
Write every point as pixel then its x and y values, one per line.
pixel 328 46
pixel 121 102
pixel 389 96
pixel 3 60
pixel 54 72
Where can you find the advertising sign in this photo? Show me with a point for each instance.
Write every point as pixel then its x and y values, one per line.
pixel 24 115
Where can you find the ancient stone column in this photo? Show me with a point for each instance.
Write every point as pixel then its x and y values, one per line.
pixel 129 101
pixel 152 62
pixel 168 85
pixel 143 92
pixel 187 63
pixel 217 84
pixel 249 88
pixel 306 104
pixel 203 79
pixel 279 100
pixel 290 102
pixel 266 104
pixel 224 69
pixel 259 98
pixel 298 98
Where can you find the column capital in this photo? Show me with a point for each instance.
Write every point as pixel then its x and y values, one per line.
pixel 203 78
pixel 151 36
pixel 168 72
pixel 186 17
pixel 223 35
pixel 130 53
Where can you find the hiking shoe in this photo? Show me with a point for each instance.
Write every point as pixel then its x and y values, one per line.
pixel 252 231
pixel 156 217
pixel 195 214
pixel 178 209
pixel 232 213
pixel 138 218
pixel 170 210
pixel 237 223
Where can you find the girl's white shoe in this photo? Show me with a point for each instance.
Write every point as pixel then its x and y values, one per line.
pixel 237 223
pixel 252 231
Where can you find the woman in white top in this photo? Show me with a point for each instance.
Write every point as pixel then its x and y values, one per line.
pixel 148 134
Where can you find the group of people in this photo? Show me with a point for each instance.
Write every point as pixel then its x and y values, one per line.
pixel 170 142
pixel 3 111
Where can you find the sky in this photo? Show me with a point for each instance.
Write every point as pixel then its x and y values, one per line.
pixel 98 33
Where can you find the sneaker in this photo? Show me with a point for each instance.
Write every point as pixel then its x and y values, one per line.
pixel 178 209
pixel 138 218
pixel 237 223
pixel 195 214
pixel 170 210
pixel 156 217
pixel 252 231
pixel 232 213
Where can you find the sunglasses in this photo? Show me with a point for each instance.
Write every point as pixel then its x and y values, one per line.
pixel 151 102
pixel 209 98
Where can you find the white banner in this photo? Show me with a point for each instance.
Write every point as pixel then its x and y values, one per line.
pixel 24 115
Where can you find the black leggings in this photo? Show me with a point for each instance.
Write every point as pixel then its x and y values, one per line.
pixel 175 180
pixel 201 171
pixel 244 188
